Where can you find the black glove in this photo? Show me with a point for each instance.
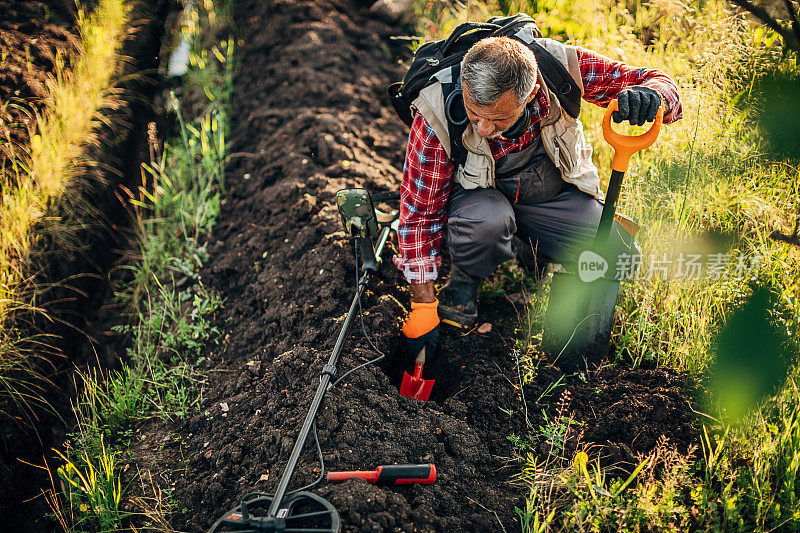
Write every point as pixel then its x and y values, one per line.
pixel 430 341
pixel 421 329
pixel 637 105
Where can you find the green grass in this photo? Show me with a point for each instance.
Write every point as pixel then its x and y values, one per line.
pixel 709 185
pixel 93 491
pixel 170 310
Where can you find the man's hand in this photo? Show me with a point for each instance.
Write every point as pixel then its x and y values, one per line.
pixel 637 105
pixel 421 329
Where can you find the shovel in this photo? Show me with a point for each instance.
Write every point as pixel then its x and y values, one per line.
pixel 580 312
pixel 414 386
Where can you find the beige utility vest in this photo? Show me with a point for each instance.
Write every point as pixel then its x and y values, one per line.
pixel 562 136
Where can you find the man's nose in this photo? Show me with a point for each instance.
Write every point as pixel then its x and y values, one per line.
pixel 485 128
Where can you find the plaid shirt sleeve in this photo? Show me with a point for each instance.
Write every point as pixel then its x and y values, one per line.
pixel 423 199
pixel 604 78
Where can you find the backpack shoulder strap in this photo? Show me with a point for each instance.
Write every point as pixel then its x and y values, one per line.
pixel 558 80
pixel 554 72
pixel 458 154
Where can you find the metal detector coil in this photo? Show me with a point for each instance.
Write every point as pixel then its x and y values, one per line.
pixel 299 512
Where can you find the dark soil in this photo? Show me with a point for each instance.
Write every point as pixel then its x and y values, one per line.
pixel 310 117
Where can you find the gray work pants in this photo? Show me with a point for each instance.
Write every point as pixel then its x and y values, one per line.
pixel 559 221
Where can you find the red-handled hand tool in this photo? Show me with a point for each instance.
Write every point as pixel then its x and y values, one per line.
pixel 414 386
pixel 391 474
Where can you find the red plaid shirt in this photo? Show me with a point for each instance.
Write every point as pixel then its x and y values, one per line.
pixel 428 171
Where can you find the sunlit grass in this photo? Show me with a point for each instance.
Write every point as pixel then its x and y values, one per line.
pixel 43 171
pixel 169 310
pixel 60 136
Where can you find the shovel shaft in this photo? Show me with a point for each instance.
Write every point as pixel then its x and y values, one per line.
pixel 418 371
pixel 609 208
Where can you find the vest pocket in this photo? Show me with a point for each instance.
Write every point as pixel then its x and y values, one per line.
pixel 566 140
pixel 475 173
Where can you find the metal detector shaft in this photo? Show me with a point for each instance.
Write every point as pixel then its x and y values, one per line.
pixel 328 371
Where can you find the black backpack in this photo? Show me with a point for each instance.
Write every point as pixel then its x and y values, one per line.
pixel 433 57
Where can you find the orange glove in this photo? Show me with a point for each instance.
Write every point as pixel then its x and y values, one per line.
pixel 422 319
pixel 421 329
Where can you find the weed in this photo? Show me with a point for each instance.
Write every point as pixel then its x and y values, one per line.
pixel 522 443
pixel 94 489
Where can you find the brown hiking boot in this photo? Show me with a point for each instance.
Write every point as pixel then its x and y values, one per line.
pixel 458 299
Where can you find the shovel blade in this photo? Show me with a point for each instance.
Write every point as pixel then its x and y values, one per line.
pixel 577 323
pixel 416 387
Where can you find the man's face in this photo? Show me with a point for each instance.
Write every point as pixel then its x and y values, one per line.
pixel 492 120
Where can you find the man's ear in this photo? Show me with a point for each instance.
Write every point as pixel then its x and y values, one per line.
pixel 533 94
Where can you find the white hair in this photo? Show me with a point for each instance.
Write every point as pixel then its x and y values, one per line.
pixel 496 65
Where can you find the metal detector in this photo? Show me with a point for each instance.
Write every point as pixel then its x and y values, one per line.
pixel 300 511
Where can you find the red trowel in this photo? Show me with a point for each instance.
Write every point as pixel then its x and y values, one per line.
pixel 414 386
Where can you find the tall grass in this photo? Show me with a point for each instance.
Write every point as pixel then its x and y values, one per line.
pixel 707 186
pixel 44 171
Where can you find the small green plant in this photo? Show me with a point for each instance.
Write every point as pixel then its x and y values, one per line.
pixel 531 518
pixel 554 431
pixel 521 443
pixel 94 488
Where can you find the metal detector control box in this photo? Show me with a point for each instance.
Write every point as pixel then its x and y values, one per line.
pixel 357 211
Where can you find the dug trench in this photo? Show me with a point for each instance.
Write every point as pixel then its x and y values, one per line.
pixel 309 118
pixel 74 280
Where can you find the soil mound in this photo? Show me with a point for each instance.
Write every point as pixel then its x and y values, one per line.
pixel 311 117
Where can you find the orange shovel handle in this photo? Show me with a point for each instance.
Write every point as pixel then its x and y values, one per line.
pixel 627 145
